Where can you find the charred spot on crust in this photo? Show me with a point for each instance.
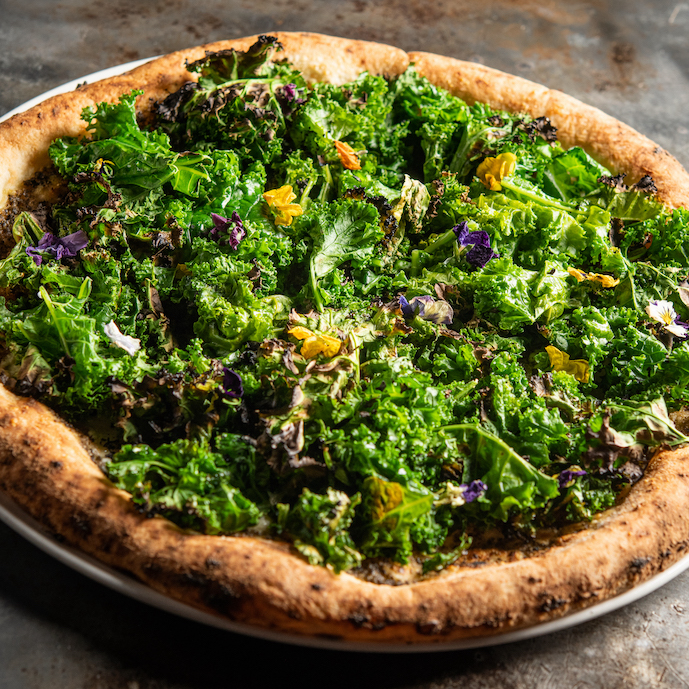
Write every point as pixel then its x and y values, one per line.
pixel 82 525
pixel 638 563
pixel 551 603
pixel 221 598
pixel 429 627
pixel 359 619
pixel 330 637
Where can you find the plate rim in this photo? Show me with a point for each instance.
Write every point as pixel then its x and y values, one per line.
pixel 13 516
pixel 72 84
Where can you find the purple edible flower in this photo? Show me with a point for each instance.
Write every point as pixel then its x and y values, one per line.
pixel 289 91
pixel 406 307
pixel 473 490
pixel 480 252
pixel 567 476
pixel 233 225
pixel 290 95
pixel 58 247
pixel 231 386
pixel 428 309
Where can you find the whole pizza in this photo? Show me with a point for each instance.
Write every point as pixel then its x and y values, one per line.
pixel 327 338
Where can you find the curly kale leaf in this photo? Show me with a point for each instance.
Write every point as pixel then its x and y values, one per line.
pixel 133 161
pixel 648 422
pixel 573 174
pixel 344 231
pixel 390 510
pixel 319 526
pixel 184 480
pixel 240 102
pixel 232 65
pixel 513 484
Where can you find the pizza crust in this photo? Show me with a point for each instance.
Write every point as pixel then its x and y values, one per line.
pixel 48 472
pixel 47 469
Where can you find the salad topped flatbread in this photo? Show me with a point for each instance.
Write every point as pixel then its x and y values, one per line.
pixel 336 351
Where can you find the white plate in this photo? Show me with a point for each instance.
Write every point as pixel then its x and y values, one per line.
pixel 26 526
pixel 71 85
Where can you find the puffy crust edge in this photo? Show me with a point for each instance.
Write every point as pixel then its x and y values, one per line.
pixel 611 142
pixel 46 470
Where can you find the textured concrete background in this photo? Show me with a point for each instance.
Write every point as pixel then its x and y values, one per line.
pixel 60 630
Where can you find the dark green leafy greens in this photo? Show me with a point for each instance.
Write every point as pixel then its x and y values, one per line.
pixel 408 358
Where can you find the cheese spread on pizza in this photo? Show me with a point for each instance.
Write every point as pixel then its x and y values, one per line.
pixel 363 329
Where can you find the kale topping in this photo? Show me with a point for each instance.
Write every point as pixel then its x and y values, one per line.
pixel 370 319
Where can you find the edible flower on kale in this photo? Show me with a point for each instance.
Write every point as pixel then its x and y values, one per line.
pixel 605 280
pixel 664 312
pixel 315 343
pixel 131 345
pixel 234 226
pixel 289 91
pixel 480 252
pixel 428 309
pixel 280 201
pixel 289 97
pixel 493 170
pixel 348 156
pixel 560 361
pixel 58 247
pixel 568 476
pixel 231 386
pixel 456 496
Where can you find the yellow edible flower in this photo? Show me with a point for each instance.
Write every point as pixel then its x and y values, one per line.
pixel 560 361
pixel 315 344
pixel 300 332
pixel 280 200
pixel 493 170
pixel 348 156
pixel 605 280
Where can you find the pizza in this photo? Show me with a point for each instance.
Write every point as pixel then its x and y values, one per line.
pixel 326 338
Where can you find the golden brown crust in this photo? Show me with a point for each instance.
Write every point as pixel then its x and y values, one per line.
pixel 46 470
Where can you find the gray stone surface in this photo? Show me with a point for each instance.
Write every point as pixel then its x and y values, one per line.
pixel 58 629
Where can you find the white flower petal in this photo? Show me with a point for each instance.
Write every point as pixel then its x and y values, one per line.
pixel 131 345
pixel 677 329
pixel 662 311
